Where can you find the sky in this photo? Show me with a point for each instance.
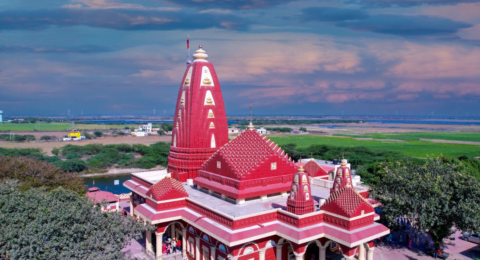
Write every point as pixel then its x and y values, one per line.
pixel 288 57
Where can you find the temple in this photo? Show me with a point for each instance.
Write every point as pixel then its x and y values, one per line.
pixel 200 123
pixel 245 199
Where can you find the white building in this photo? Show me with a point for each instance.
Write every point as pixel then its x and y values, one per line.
pixel 146 128
pixel 262 131
pixel 1 116
pixel 232 131
pixel 139 133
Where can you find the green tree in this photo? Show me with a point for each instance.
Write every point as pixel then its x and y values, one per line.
pixel 433 196
pixel 98 133
pixel 60 225
pixel 304 129
pixel 33 173
pixel 46 138
pixel 55 151
pixel 73 165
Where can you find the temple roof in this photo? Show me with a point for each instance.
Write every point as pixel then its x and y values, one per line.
pixel 247 150
pixel 167 189
pixel 347 200
pixel 314 169
pixel 97 196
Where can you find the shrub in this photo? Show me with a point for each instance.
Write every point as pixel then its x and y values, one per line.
pixel 46 138
pixel 74 165
pixel 98 133
pixel 55 151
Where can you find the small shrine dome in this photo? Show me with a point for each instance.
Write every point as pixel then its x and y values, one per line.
pixel 167 189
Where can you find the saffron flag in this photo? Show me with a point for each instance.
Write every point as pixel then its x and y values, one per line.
pixel 188 43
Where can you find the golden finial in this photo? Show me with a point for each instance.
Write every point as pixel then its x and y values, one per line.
pixel 300 169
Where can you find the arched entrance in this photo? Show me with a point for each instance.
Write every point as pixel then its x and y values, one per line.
pixel 312 252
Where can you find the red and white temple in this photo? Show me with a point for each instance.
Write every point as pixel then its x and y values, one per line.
pixel 246 199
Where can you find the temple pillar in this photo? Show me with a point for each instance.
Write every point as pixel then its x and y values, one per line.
pixel 131 205
pixel 197 247
pixel 261 254
pixel 279 252
pixel 370 253
pixel 299 256
pixel 323 253
pixel 148 241
pixel 212 252
pixel 240 201
pixel 264 197
pixel 159 238
pixel 172 231
pixel 184 243
pixel 361 252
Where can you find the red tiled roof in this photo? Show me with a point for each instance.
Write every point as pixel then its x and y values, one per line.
pixel 347 199
pixel 101 196
pixel 314 169
pixel 167 189
pixel 247 150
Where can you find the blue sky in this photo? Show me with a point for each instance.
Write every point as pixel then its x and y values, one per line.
pixel 356 57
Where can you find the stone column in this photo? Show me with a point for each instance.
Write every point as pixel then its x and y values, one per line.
pixel 148 243
pixel 131 205
pixel 172 230
pixel 197 247
pixel 299 256
pixel 361 252
pixel 184 243
pixel 212 252
pixel 279 252
pixel 370 253
pixel 261 254
pixel 323 253
pixel 159 246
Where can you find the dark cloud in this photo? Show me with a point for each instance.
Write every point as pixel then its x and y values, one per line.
pixel 229 4
pixel 50 49
pixel 118 20
pixel 332 14
pixel 405 3
pixel 403 25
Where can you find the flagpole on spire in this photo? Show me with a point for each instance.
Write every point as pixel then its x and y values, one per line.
pixel 250 126
pixel 188 50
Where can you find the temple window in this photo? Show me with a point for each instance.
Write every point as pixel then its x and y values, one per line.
pixel 273 166
pixel 219 164
pixel 205 237
pixel 222 248
pixel 212 142
pixel 209 98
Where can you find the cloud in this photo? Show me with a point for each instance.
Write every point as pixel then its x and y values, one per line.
pixel 229 4
pixel 51 49
pixel 112 4
pixel 404 3
pixel 404 25
pixel 118 20
pixel 332 14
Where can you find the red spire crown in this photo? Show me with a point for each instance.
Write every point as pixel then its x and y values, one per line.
pixel 300 201
pixel 343 177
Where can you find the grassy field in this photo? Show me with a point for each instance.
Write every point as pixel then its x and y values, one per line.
pixel 453 136
pixel 414 148
pixel 56 126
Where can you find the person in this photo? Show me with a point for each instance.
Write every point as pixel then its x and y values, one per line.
pixel 174 245
pixel 168 248
pixel 410 243
pixel 400 239
pixel 179 245
pixel 164 247
pixel 438 252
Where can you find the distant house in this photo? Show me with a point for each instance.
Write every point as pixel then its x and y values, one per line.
pixel 146 128
pixel 112 203
pixel 262 131
pixel 139 133
pixel 232 131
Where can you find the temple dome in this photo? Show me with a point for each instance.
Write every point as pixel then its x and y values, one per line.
pixel 200 54
pixel 167 189
pixel 300 200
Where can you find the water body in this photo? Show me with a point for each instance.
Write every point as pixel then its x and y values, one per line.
pixel 106 183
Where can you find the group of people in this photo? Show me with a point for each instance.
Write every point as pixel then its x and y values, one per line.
pixel 171 246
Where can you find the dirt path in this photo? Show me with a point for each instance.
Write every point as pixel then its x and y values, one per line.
pixel 48 146
pixel 449 141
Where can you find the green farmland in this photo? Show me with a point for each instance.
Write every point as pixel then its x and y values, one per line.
pixel 409 147
pixel 451 136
